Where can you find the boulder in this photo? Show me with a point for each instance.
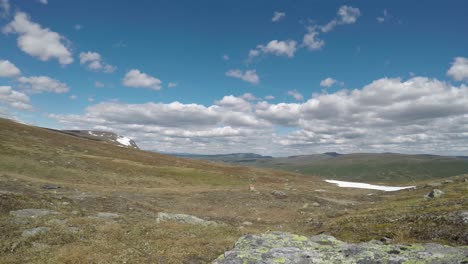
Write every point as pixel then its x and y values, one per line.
pixel 106 215
pixel 35 231
pixel 280 247
pixel 279 194
pixel 33 213
pixel 183 218
pixel 435 193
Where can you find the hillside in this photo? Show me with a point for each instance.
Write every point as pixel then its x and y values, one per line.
pixel 361 167
pixel 67 199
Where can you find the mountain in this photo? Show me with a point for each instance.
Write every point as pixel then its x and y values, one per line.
pixel 108 137
pixel 229 158
pixel 361 167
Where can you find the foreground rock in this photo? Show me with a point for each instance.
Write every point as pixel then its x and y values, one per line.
pixel 436 193
pixel 279 247
pixel 35 231
pixel 183 218
pixel 33 213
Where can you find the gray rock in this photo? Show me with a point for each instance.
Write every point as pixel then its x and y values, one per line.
pixel 183 218
pixel 35 231
pixel 107 215
pixel 51 186
pixel 279 194
pixel 435 193
pixel 279 247
pixel 316 204
pixel 434 184
pixel 247 223
pixel 33 213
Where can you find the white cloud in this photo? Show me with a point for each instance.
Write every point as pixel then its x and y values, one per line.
pixel 8 69
pixel 385 16
pixel 275 47
pixel 277 16
pixel 346 15
pixel 249 97
pixel 249 76
pixel 296 95
pixel 459 69
pixel 135 78
pixel 73 97
pixel 40 84
pixel 328 82
pixel 311 39
pixel 226 57
pixel 14 99
pixel 269 97
pixel 39 42
pixel 90 99
pixel 4 8
pixel 78 27
pixel 93 61
pixel 45 2
pixel 171 85
pixel 415 115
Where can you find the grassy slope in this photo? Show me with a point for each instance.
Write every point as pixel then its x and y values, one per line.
pixel 99 177
pixel 374 168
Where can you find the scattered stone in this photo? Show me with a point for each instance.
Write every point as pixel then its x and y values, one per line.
pixel 108 215
pixel 435 193
pixel 280 247
pixel 39 245
pixel 279 194
pixel 247 223
pixel 35 231
pixel 51 186
pixel 33 213
pixel 434 184
pixel 448 181
pixel 56 222
pixel 316 204
pixel 305 206
pixel 183 218
pixel 386 240
pixel 73 229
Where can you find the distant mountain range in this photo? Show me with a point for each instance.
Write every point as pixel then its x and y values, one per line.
pixel 364 167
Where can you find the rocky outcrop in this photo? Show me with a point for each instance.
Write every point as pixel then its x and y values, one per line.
pixel 279 247
pixel 435 193
pixel 183 218
pixel 33 213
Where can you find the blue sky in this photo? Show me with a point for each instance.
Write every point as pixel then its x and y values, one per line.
pixel 100 57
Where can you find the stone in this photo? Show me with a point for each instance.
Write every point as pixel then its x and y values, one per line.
pixel 279 194
pixel 51 186
pixel 435 193
pixel 282 247
pixel 316 204
pixel 247 223
pixel 106 215
pixel 33 213
pixel 35 231
pixel 434 184
pixel 183 218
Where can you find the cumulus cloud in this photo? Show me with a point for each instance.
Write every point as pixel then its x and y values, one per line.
pixel 98 84
pixel 45 2
pixel 269 97
pixel 296 95
pixel 311 40
pixel 14 99
pixel 40 84
pixel 249 76
pixel 389 114
pixel 135 78
pixel 277 16
pixel 37 41
pixel 172 85
pixel 93 61
pixel 459 69
pixel 8 69
pixel 226 57
pixel 328 82
pixel 279 48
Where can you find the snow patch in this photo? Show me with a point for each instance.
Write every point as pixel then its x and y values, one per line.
pixel 359 185
pixel 124 141
pixel 92 134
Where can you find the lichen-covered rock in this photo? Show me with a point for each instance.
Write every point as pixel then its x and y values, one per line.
pixel 436 193
pixel 33 213
pixel 35 231
pixel 183 218
pixel 279 194
pixel 279 247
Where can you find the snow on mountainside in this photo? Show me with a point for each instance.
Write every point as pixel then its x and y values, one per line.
pixel 108 137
